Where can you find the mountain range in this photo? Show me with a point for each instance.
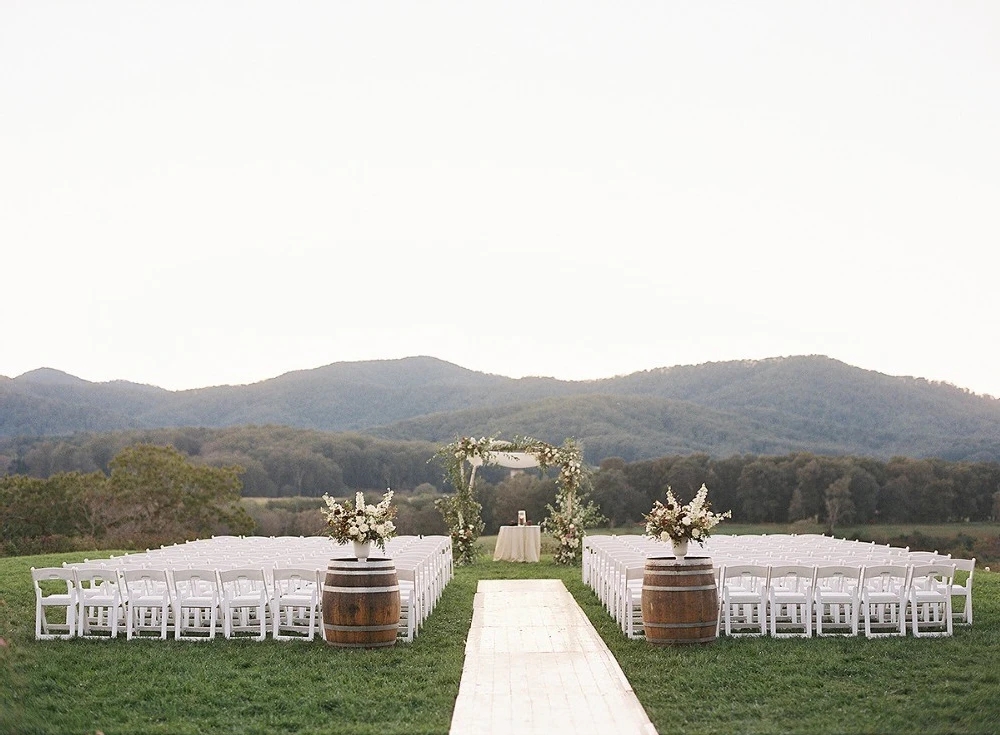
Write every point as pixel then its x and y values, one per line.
pixel 772 406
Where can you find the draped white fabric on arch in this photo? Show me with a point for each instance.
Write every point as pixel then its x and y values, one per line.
pixel 514 460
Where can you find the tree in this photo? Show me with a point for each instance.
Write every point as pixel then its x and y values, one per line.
pixel 157 491
pixel 688 474
pixel 839 506
pixel 797 508
pixel 812 476
pixel 618 500
pixel 526 492
pixel 766 487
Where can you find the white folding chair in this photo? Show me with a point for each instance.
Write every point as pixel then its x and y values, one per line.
pixel 744 599
pixel 790 597
pixel 930 599
pixel 621 564
pixel 195 598
pixel 884 598
pixel 99 602
pixel 631 601
pixel 925 557
pixel 422 593
pixel 836 595
pixel 294 603
pixel 409 602
pixel 55 587
pixel 963 591
pixel 244 601
pixel 147 602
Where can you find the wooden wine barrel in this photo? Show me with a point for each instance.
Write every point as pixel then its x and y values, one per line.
pixel 680 602
pixel 360 603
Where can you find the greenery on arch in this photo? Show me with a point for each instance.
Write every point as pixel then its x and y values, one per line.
pixel 566 521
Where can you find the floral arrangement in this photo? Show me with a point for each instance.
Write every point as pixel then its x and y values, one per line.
pixel 462 512
pixel 566 523
pixel 463 541
pixel 359 521
pixel 675 522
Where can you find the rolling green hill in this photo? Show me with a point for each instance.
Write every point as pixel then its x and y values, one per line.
pixel 773 406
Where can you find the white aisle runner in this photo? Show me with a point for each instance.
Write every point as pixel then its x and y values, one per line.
pixel 535 664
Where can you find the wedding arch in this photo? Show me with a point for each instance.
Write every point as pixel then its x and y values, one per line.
pixel 463 513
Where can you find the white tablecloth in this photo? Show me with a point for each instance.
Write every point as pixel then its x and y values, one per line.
pixel 518 543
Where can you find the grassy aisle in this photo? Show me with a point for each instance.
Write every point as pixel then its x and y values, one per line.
pixel 732 686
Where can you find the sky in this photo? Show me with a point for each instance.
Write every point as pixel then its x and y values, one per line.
pixel 207 193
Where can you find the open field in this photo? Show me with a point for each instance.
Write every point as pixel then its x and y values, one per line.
pixel 839 685
pixel 965 540
pixel 869 531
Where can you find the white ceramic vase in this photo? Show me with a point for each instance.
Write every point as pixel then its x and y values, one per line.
pixel 362 550
pixel 680 547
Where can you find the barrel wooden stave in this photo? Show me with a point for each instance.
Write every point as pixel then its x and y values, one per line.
pixel 360 603
pixel 680 601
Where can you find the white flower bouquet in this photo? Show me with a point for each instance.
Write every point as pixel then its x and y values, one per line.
pixel 359 521
pixel 672 521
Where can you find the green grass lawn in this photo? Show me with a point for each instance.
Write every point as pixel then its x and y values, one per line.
pixel 837 685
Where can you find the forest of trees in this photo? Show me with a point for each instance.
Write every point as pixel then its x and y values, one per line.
pixel 297 464
pixel 277 461
pixel 150 495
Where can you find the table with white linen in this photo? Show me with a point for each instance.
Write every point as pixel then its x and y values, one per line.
pixel 518 543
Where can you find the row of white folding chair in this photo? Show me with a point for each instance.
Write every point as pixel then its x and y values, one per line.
pixel 627 573
pixel 417 582
pixel 91 597
pixel 602 558
pixel 599 549
pixel 422 574
pixel 614 568
pixel 620 590
pixel 98 600
pixel 282 600
pixel 430 557
pixel 785 599
pixel 960 590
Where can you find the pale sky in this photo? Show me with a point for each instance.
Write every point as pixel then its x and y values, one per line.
pixel 203 193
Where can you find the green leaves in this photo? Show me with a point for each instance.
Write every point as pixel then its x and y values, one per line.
pixel 151 493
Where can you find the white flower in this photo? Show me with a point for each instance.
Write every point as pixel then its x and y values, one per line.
pixel 363 527
pixel 380 529
pixel 353 530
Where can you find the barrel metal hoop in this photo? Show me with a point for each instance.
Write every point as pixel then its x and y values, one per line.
pixel 361 572
pixel 681 573
pixel 699 624
pixel 393 588
pixel 672 641
pixel 695 588
pixel 381 644
pixel 360 628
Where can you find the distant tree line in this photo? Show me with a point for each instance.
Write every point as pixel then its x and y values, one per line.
pixel 150 495
pixel 828 490
pixel 280 462
pixel 831 491
pixel 277 461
